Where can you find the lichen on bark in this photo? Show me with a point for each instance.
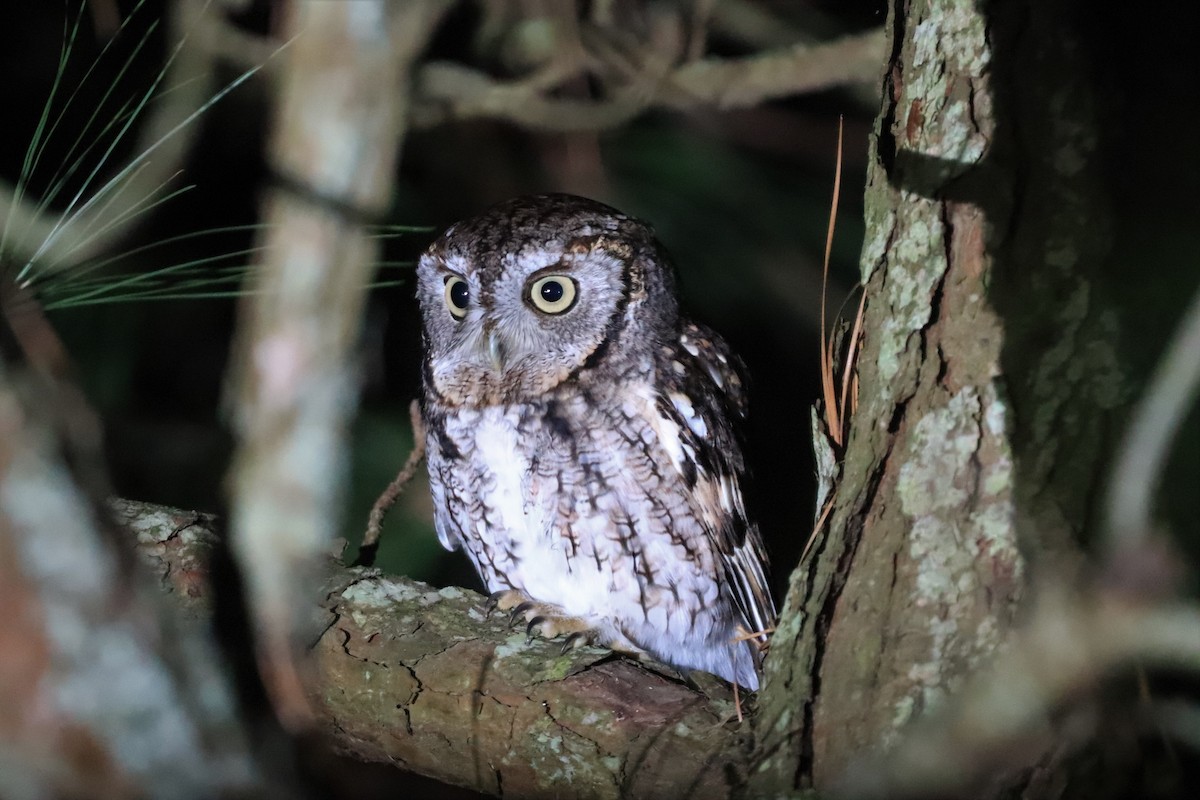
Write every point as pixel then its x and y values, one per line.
pixel 943 507
pixel 427 679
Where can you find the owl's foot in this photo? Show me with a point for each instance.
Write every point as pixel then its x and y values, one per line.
pixel 543 619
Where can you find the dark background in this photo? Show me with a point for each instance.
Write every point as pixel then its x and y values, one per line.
pixel 740 199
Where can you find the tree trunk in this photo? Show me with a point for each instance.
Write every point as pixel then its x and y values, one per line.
pixel 987 373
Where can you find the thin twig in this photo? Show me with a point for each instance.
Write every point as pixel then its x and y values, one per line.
pixel 820 523
pixel 846 404
pixel 370 541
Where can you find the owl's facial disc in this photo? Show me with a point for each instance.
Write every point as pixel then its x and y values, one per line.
pixel 506 324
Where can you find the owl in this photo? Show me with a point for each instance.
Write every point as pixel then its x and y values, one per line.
pixel 581 437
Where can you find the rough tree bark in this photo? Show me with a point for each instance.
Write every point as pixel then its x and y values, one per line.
pixel 987 374
pixel 426 679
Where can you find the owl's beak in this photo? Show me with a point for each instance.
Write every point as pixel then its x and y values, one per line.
pixel 496 351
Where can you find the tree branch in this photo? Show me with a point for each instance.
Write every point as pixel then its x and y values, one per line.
pixel 423 678
pixel 799 69
pixel 448 92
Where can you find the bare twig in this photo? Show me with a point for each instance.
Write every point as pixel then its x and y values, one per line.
pixel 388 499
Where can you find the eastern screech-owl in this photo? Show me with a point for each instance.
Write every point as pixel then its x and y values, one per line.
pixel 580 436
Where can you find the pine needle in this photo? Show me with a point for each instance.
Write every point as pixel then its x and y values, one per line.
pixel 833 419
pixel 98 208
pixel 820 523
pixel 837 406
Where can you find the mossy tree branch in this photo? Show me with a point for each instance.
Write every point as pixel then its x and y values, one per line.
pixel 423 678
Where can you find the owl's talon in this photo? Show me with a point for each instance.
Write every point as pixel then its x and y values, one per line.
pixel 532 627
pixel 519 612
pixel 504 600
pixel 576 639
pixel 493 601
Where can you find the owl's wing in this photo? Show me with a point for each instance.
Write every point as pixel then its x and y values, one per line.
pixel 700 401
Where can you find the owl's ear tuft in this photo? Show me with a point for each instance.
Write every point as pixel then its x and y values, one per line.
pixel 618 247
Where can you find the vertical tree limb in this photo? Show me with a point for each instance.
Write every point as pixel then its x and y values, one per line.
pixel 955 486
pixel 342 113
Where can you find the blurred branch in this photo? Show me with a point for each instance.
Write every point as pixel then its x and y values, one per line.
pixel 800 69
pixel 341 116
pixel 656 72
pixel 105 690
pixel 448 92
pixel 1021 704
pixel 1164 407
pixel 452 92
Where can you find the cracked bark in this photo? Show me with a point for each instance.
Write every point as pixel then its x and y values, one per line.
pixel 422 678
pixel 953 493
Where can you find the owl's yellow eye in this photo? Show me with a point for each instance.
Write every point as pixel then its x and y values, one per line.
pixel 458 294
pixel 552 294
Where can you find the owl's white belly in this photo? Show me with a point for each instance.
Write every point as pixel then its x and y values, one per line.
pixel 495 440
pixel 544 501
pixel 537 557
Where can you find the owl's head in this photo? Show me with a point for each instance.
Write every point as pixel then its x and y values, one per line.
pixel 539 290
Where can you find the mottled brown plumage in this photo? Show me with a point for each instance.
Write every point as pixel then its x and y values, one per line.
pixel 581 437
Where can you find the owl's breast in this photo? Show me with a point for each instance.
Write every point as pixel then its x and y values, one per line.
pixel 479 471
pixel 575 494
